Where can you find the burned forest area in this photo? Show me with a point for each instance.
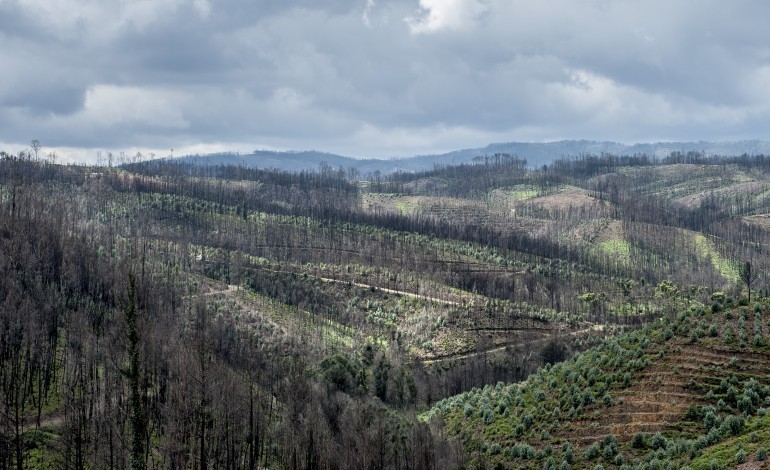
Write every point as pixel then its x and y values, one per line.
pixel 602 311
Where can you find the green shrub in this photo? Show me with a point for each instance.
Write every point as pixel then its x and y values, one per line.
pixel 721 405
pixel 718 296
pixel 529 451
pixel 339 372
pixel 693 413
pixel 610 440
pixel 658 441
pixel 729 335
pixel 592 452
pixel 609 452
pixel 566 450
pixel 761 454
pixel 745 405
pixel 734 425
pixel 740 456
pixel 489 416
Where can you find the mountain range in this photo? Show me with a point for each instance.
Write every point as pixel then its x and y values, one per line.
pixel 535 153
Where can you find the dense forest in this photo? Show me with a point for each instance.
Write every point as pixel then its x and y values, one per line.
pixel 169 315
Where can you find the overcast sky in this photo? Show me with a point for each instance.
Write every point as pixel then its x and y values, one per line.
pixel 377 78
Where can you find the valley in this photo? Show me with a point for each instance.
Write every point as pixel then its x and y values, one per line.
pixel 600 310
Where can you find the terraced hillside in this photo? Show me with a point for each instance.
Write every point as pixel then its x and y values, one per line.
pixel 676 393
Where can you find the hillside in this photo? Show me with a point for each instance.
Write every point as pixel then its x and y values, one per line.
pixel 686 391
pixel 207 315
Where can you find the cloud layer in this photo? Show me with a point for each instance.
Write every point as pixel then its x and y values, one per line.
pixel 378 78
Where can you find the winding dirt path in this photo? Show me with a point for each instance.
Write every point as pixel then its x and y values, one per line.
pixel 391 291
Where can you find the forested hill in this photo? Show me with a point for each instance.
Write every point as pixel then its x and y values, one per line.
pixel 172 315
pixel 536 154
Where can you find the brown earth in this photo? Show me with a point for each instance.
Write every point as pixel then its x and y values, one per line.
pixel 661 394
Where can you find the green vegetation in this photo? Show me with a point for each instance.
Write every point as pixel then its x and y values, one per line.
pixel 727 268
pixel 560 405
pixel 618 249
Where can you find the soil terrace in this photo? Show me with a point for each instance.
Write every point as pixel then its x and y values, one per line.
pixel 662 393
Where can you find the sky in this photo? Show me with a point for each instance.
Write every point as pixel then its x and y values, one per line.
pixel 377 78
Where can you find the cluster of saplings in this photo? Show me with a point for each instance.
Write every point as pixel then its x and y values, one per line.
pixel 529 424
pixel 544 403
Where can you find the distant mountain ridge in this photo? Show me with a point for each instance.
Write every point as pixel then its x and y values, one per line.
pixel 536 154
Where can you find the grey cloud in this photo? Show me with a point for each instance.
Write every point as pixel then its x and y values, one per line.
pixel 47 100
pixel 309 73
pixel 186 55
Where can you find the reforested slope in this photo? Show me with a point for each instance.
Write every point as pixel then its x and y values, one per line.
pixel 690 390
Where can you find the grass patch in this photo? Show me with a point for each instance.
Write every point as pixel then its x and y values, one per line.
pixel 405 206
pixel 727 268
pixel 42 450
pixel 618 249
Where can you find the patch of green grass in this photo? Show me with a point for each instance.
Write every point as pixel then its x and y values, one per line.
pixel 41 450
pixel 618 249
pixel 727 268
pixel 522 195
pixel 337 334
pixel 512 194
pixel 406 207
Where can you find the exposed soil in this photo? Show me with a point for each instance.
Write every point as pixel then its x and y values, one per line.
pixel 566 199
pixel 662 393
pixel 753 465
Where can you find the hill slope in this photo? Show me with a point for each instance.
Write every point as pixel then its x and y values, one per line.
pixel 685 391
pixel 270 300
